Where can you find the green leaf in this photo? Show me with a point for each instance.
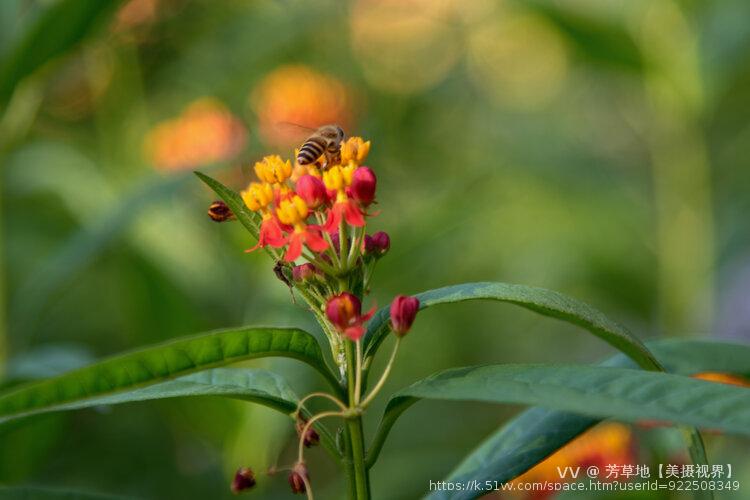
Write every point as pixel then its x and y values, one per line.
pixel 620 393
pixel 160 363
pixel 60 27
pixel 603 392
pixel 545 302
pixel 536 433
pixel 259 386
pixel 38 493
pixel 599 40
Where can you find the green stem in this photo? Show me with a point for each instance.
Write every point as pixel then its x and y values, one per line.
pixel 356 441
pixel 361 475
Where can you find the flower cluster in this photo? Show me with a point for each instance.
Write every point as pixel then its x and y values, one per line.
pixel 319 212
pixel 309 206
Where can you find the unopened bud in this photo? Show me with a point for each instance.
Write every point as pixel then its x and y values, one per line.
pixel 377 244
pixel 244 479
pixel 297 478
pixel 311 437
pixel 304 272
pixel 363 185
pixel 312 190
pixel 220 212
pixel 403 311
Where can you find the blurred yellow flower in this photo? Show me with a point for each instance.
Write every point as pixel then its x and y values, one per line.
pixel 297 96
pixel 205 132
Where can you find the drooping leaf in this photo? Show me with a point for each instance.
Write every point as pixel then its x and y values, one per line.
pixel 60 27
pixel 545 302
pixel 160 363
pixel 538 432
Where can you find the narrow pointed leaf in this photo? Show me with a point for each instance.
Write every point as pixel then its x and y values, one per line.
pixel 540 300
pixel 259 386
pixel 160 363
pixel 536 433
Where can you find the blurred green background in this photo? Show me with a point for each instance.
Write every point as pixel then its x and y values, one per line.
pixel 597 147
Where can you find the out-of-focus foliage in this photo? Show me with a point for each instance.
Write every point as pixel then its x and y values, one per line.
pixel 599 148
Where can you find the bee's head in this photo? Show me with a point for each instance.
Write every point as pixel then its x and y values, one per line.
pixel 333 132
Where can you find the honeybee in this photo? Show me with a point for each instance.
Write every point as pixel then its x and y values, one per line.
pixel 326 140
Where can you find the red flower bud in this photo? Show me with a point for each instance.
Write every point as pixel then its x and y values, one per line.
pixel 403 311
pixel 382 242
pixel 297 478
pixel 304 272
pixel 311 437
pixel 368 246
pixel 243 480
pixel 312 190
pixel 363 185
pixel 343 310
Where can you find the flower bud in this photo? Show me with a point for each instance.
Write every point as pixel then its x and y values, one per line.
pixel 312 190
pixel 343 309
pixel 368 245
pixel 244 479
pixel 363 185
pixel 304 272
pixel 382 242
pixel 403 311
pixel 311 437
pixel 297 478
pixel 220 212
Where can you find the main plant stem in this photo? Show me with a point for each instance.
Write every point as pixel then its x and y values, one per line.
pixel 355 434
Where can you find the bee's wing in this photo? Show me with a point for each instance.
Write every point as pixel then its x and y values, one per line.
pixel 295 127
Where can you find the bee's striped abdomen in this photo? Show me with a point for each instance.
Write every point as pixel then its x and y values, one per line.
pixel 311 150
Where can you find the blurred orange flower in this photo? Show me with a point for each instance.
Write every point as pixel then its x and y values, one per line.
pixel 297 96
pixel 205 132
pixel 608 443
pixel 723 378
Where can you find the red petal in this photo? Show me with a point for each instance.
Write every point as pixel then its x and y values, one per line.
pixel 353 214
pixel 295 247
pixel 333 220
pixel 366 316
pixel 315 241
pixel 271 234
pixel 355 332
